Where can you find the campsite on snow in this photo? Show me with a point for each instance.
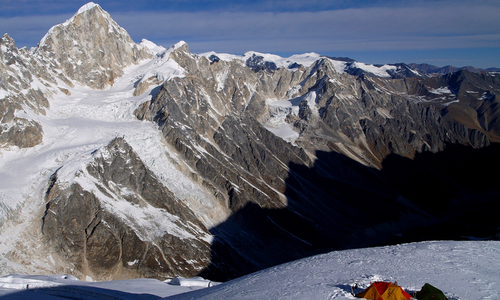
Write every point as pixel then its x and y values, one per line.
pixel 466 270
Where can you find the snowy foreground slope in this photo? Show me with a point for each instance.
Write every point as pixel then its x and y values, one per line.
pixel 462 270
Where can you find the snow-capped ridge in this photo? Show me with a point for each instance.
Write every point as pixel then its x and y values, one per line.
pixel 86 7
pixel 381 71
pixel 258 60
pixel 154 48
pixel 178 45
pixel 306 59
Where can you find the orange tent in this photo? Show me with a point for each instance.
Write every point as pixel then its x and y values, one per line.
pixel 384 291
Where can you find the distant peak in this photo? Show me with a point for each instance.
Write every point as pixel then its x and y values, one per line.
pixel 179 44
pixel 152 46
pixel 86 8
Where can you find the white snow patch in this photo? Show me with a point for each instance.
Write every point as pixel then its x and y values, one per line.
pixel 284 131
pixel 339 66
pixel 441 90
pixel 306 59
pixel 152 46
pixel 131 263
pixel 377 71
pixel 191 282
pixel 280 109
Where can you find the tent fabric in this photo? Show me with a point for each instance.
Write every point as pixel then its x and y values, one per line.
pixel 428 292
pixel 384 291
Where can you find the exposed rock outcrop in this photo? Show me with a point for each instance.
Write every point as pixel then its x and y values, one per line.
pixel 216 117
pixel 91 48
pixel 18 92
pixel 117 221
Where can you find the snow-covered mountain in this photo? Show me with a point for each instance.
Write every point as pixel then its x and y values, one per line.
pixel 123 160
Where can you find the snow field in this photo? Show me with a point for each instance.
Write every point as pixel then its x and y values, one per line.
pixel 466 270
pixel 462 270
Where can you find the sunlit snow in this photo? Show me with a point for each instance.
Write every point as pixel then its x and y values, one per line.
pixel 462 270
pixel 377 71
pixel 306 59
pixel 280 109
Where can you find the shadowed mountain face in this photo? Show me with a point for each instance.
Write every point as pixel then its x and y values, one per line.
pixel 278 161
pixel 340 204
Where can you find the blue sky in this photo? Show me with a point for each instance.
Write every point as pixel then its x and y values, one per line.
pixel 438 32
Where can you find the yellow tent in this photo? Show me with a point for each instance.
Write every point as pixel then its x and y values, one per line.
pixel 384 291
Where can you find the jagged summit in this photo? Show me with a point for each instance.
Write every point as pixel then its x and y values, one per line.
pixel 91 47
pixel 85 8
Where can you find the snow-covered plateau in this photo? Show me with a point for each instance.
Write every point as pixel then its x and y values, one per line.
pixel 462 270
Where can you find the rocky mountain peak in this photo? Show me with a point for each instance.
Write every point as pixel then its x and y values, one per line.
pixel 8 42
pixel 91 47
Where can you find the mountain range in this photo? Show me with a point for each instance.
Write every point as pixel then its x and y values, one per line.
pixel 123 160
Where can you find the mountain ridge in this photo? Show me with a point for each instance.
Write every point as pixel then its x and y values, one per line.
pixel 288 153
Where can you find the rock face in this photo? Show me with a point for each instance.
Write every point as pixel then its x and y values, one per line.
pixel 17 92
pixel 309 157
pixel 117 221
pixel 291 199
pixel 91 48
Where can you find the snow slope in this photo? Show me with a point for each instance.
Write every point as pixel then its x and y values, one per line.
pixel 462 270
pixel 280 109
pixel 51 287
